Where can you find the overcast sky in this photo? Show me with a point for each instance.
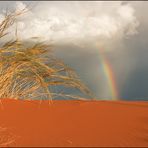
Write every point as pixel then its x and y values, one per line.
pixel 79 29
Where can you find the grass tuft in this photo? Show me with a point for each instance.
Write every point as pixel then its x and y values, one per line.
pixel 30 72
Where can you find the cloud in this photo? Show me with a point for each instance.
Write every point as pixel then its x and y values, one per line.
pixel 77 21
pixel 77 26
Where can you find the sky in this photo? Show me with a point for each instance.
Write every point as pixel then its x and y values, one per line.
pixel 105 42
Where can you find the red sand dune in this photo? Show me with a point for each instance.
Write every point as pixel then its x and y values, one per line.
pixel 76 123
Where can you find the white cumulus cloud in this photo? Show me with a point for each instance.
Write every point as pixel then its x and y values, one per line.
pixel 76 21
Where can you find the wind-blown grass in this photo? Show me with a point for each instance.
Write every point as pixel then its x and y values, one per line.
pixel 30 72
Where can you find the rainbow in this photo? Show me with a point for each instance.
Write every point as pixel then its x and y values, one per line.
pixel 109 76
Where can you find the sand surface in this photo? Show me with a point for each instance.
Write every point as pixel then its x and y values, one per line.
pixel 74 123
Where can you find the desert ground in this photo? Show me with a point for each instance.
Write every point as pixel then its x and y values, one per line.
pixel 74 123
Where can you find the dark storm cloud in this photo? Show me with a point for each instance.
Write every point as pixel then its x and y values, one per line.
pixel 136 85
pixel 87 65
pixel 129 59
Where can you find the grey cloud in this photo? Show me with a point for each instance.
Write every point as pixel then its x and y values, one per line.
pixel 127 55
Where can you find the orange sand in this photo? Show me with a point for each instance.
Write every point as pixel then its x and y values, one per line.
pixel 76 123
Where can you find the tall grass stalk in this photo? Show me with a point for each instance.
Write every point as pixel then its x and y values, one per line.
pixel 30 72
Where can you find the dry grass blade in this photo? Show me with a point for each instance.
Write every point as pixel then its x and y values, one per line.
pixel 28 73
